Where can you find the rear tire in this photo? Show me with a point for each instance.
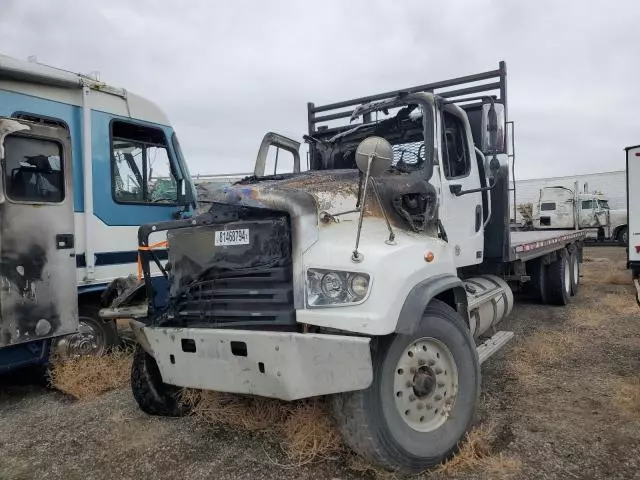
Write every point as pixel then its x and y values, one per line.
pixel 575 272
pixel 559 280
pixel 415 429
pixel 152 395
pixel 538 283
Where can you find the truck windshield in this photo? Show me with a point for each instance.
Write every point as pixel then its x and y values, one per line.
pixel 403 127
pixel 188 180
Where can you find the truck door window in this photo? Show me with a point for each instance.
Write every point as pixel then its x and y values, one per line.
pixel 141 166
pixel 455 154
pixel 604 204
pixel 587 205
pixel 33 170
pixel 547 206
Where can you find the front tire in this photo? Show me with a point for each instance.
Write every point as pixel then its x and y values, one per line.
pixel 423 396
pixel 94 336
pixel 623 236
pixel 152 395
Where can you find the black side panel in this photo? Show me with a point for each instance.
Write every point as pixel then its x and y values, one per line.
pixel 496 235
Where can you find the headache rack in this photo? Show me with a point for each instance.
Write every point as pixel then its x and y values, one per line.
pixel 468 91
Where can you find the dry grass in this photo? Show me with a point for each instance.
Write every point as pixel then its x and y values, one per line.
pixel 602 271
pixel 623 304
pixel 546 347
pixel 627 397
pixel 305 428
pixel 476 453
pixel 88 377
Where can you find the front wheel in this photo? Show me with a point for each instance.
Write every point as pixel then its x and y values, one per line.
pixel 423 396
pixel 94 336
pixel 152 395
pixel 623 236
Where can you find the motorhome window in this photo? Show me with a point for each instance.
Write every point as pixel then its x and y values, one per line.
pixel 587 204
pixel 33 170
pixel 141 165
pixel 455 154
pixel 548 206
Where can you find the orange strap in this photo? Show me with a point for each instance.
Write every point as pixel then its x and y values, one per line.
pixel 147 249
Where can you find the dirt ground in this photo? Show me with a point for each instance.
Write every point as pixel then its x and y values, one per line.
pixel 563 401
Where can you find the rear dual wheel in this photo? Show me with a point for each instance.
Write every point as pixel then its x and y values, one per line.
pixel 560 277
pixel 423 396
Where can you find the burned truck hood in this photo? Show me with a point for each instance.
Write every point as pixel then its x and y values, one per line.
pixel 409 200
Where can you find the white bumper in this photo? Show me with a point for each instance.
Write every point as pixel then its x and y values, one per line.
pixel 282 365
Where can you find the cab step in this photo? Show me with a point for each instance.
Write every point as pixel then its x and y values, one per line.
pixel 493 344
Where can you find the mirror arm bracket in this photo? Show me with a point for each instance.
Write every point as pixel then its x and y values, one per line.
pixel 457 189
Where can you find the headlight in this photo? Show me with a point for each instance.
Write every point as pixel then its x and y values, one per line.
pixel 332 287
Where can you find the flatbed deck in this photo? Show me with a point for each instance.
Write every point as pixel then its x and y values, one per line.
pixel 526 245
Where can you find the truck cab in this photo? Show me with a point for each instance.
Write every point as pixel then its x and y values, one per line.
pixel 84 164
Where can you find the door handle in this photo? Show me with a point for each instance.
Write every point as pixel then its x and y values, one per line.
pixel 64 241
pixel 478 217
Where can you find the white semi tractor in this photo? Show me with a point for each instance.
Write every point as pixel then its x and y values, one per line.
pixel 376 278
pixel 560 207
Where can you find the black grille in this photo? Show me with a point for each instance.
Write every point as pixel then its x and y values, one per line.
pixel 240 298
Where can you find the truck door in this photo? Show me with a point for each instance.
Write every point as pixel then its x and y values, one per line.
pixel 37 265
pixel 463 218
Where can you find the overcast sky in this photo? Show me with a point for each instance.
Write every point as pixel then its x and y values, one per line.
pixel 227 72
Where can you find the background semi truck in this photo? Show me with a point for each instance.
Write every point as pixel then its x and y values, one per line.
pixel 377 278
pixel 560 207
pixel 80 163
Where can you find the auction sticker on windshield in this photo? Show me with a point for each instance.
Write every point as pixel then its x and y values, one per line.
pixel 232 237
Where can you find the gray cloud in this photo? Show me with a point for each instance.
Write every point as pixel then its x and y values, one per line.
pixel 228 72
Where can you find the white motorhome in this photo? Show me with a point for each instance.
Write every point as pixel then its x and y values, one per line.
pixel 83 165
pixel 633 207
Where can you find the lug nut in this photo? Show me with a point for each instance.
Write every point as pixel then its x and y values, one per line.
pixel 409 384
pixel 420 406
pixel 431 362
pixel 412 398
pixel 429 406
pixel 438 371
pixel 421 362
pixel 440 385
pixel 438 398
pixel 412 370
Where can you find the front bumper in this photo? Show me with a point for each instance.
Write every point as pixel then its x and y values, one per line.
pixel 283 365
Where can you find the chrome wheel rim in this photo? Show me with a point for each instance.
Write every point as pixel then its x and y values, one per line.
pixel 87 341
pixel 576 270
pixel 425 384
pixel 567 276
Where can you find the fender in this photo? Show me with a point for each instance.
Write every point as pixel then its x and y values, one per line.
pixel 425 291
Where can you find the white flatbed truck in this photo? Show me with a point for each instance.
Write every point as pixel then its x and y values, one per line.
pixel 376 278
